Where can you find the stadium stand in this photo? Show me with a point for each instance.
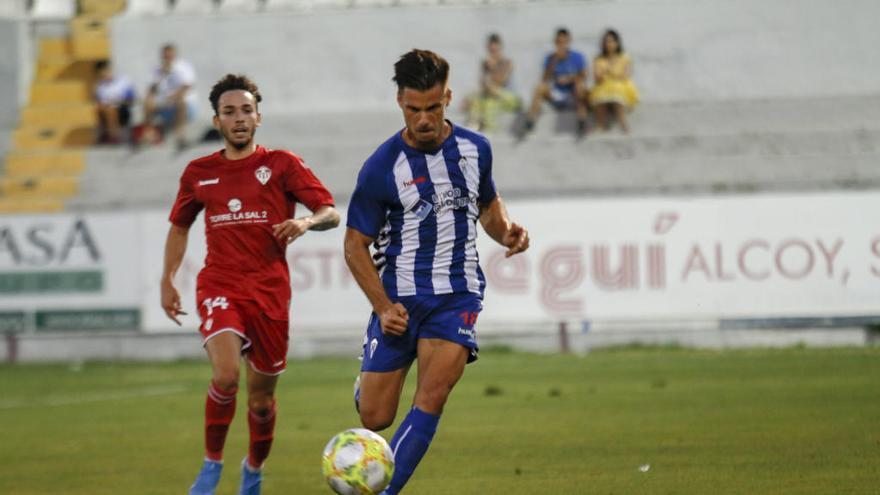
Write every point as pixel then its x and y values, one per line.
pixel 706 125
pixel 47 148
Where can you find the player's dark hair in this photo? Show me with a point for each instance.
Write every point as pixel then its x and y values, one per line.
pixel 232 82
pixel 101 65
pixel 613 34
pixel 562 32
pixel 494 38
pixel 420 70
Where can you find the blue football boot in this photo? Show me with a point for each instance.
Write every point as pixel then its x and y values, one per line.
pixel 206 481
pixel 250 480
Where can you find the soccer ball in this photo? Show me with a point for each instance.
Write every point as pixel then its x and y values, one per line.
pixel 357 462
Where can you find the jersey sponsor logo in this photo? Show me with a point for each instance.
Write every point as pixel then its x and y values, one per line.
pixel 263 174
pixel 417 180
pixel 209 182
pixel 234 205
pixel 452 199
pixel 422 209
pixel 462 163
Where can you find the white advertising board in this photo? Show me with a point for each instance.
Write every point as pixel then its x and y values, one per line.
pixel 762 256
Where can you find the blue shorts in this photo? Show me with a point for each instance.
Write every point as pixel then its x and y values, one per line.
pixel 449 317
pixel 168 113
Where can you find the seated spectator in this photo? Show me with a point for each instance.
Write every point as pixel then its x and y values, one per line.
pixel 495 93
pixel 564 83
pixel 170 101
pixel 614 91
pixel 114 96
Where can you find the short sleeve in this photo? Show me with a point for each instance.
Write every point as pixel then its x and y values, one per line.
pixel 578 62
pixel 186 207
pixel 369 203
pixel 487 191
pixel 305 187
pixel 186 73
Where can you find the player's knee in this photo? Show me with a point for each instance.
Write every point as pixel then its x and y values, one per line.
pixel 376 420
pixel 226 379
pixel 261 404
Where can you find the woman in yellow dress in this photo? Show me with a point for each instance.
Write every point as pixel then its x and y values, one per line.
pixel 614 90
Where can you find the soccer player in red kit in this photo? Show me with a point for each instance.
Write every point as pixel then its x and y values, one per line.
pixel 243 293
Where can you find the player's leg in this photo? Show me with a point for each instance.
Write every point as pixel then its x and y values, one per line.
pixel 386 361
pixel 267 358
pixel 441 365
pixel 261 416
pixel 224 352
pixel 379 397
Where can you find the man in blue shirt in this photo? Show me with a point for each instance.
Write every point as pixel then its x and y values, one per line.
pixel 563 84
pixel 417 201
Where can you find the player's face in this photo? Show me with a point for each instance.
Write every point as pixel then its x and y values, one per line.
pixel 237 118
pixel 425 113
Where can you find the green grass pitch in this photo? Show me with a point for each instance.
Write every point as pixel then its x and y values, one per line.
pixel 796 421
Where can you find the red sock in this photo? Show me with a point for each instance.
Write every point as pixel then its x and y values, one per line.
pixel 262 432
pixel 219 411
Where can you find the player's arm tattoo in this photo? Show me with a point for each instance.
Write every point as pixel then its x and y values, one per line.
pixel 324 218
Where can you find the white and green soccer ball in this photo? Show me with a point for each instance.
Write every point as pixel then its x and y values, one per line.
pixel 357 462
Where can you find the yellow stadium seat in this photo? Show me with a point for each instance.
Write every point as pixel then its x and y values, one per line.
pixel 58 136
pixel 59 92
pixel 38 186
pixel 54 47
pixel 58 68
pixel 30 205
pixel 91 48
pixel 73 114
pixel 104 8
pixel 90 37
pixel 44 163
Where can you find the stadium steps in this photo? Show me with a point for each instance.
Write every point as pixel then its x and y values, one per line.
pixel 697 148
pixel 41 170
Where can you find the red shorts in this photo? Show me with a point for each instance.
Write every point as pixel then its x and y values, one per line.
pixel 265 339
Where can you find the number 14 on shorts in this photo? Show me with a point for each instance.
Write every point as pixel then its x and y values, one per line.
pixel 469 318
pixel 216 302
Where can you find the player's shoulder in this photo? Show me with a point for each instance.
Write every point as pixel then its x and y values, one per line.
pixel 284 157
pixel 471 135
pixel 200 164
pixel 385 156
pixel 477 139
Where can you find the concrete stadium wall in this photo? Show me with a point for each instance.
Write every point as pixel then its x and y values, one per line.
pixel 682 49
pixel 16 67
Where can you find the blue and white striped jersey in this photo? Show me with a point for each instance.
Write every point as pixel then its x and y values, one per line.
pixel 422 208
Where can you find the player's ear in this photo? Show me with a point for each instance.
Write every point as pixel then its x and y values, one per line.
pixel 216 121
pixel 259 119
pixel 448 96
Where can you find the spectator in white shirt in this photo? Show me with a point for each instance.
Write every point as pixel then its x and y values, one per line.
pixel 170 101
pixel 114 96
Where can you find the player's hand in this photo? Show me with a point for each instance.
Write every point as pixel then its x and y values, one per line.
pixel 516 239
pixel 171 302
pixel 290 230
pixel 393 319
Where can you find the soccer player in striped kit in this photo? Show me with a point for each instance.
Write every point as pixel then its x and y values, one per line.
pixel 417 201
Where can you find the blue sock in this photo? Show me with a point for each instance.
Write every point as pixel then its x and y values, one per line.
pixel 410 442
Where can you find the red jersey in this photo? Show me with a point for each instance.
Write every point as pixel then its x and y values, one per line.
pixel 243 199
